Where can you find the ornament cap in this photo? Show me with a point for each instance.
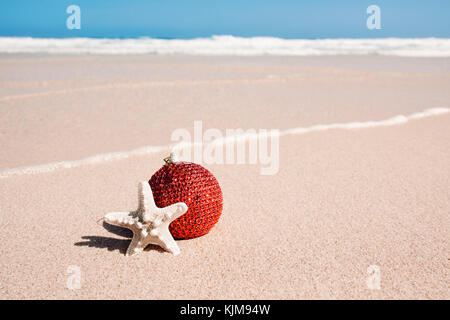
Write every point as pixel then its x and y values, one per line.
pixel 172 158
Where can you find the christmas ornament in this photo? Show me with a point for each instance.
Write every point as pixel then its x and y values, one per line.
pixel 194 185
pixel 182 200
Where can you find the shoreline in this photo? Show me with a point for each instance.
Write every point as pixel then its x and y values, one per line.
pixel 147 150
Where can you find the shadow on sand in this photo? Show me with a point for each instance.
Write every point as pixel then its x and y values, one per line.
pixel 113 244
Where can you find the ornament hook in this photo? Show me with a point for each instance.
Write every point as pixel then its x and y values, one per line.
pixel 172 158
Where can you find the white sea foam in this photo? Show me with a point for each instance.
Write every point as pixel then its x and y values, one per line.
pixel 400 119
pixel 114 156
pixel 229 45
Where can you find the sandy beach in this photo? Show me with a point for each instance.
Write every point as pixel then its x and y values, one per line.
pixel 343 199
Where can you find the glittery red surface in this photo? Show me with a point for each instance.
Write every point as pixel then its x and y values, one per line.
pixel 198 188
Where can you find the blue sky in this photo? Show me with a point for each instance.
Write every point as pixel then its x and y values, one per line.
pixel 203 18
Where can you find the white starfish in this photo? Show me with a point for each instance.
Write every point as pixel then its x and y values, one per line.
pixel 150 224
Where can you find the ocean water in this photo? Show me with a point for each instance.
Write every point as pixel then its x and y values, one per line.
pixel 230 45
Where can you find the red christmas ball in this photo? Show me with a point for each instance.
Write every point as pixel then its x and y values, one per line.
pixel 198 188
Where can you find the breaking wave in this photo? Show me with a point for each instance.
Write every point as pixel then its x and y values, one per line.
pixel 230 45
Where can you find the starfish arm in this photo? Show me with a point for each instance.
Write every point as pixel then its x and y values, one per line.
pixel 167 241
pixel 146 202
pixel 121 219
pixel 135 245
pixel 173 211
